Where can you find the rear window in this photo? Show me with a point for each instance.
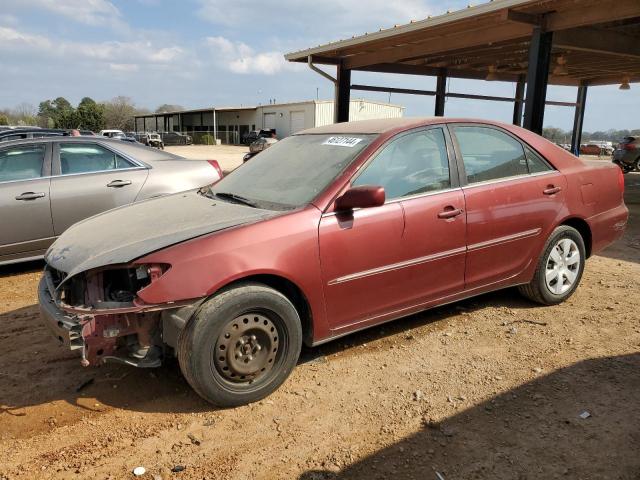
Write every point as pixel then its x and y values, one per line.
pixel 21 163
pixel 628 140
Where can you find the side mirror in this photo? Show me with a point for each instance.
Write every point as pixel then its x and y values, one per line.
pixel 361 197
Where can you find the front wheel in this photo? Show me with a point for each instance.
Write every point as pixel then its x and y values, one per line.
pixel 241 345
pixel 559 269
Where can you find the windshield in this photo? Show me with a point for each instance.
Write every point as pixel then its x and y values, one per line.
pixel 293 171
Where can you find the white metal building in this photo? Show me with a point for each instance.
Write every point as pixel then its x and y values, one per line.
pixel 230 124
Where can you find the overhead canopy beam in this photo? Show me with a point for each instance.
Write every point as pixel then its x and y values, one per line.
pixel 456 41
pixel 521 17
pixel 598 41
pixel 433 93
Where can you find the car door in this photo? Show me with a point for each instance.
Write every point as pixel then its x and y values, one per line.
pixel 513 197
pixel 89 178
pixel 26 227
pixel 378 262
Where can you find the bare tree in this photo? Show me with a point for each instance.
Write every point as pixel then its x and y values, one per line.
pixel 119 112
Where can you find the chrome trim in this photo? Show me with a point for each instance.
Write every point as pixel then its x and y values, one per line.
pixel 398 266
pixel 25 180
pixel 507 179
pixel 401 199
pixel 420 195
pixel 348 329
pixel 506 239
pixel 113 170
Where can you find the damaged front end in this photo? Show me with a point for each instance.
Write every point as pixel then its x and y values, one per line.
pixel 100 313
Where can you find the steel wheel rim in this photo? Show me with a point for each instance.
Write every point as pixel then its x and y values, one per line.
pixel 247 348
pixel 562 266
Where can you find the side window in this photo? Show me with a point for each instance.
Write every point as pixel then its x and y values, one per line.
pixel 21 163
pixel 89 157
pixel 489 154
pixel 535 162
pixel 412 164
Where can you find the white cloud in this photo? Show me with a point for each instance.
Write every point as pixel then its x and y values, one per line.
pixel 90 12
pixel 7 19
pixel 332 17
pixel 124 67
pixel 111 53
pixel 238 57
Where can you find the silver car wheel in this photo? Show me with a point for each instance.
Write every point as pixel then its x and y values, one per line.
pixel 563 265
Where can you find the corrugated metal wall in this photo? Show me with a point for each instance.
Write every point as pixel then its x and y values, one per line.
pixel 358 110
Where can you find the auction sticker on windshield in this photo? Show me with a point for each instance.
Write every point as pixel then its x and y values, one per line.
pixel 342 141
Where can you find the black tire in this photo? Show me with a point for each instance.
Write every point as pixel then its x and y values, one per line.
pixel 537 290
pixel 212 369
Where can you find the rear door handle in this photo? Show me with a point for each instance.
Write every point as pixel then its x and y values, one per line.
pixel 30 195
pixel 450 212
pixel 118 183
pixel 551 190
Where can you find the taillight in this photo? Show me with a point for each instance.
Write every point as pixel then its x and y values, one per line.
pixel 621 181
pixel 629 146
pixel 216 165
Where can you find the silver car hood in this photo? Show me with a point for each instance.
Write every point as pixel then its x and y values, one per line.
pixel 124 234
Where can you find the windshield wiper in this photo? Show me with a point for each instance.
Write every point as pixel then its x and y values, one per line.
pixel 236 198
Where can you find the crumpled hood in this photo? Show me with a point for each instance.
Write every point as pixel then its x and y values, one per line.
pixel 124 234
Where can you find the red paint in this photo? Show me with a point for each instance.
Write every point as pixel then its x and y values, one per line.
pixel 362 267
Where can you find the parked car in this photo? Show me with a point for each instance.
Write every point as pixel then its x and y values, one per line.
pixel 31 132
pixel 258 146
pixel 595 148
pixel 175 138
pixel 150 139
pixel 254 135
pixel 627 155
pixel 110 133
pixel 48 184
pixel 327 232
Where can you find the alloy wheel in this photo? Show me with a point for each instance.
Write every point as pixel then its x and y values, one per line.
pixel 563 265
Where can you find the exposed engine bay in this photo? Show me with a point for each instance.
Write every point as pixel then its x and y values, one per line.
pixel 100 313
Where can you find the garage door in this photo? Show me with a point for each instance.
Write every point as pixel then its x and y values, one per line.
pixel 269 121
pixel 297 122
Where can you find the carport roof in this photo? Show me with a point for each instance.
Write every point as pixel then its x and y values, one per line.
pixel 597 40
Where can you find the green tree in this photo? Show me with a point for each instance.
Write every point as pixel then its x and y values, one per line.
pixel 4 120
pixel 60 111
pixel 90 115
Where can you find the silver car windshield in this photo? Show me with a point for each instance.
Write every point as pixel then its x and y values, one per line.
pixel 293 171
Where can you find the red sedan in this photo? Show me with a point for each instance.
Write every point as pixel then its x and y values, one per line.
pixel 329 231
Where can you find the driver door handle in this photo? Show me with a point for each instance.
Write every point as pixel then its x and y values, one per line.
pixel 30 195
pixel 551 190
pixel 118 183
pixel 450 212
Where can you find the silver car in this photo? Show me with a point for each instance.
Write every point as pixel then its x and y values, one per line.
pixel 48 184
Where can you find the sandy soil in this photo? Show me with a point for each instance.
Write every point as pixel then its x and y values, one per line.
pixel 489 388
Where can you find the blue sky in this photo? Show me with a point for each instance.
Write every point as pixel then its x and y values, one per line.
pixel 199 53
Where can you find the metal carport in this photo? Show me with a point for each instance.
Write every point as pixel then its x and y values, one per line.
pixel 533 43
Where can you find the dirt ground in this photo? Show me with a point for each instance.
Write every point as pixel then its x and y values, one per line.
pixel 489 388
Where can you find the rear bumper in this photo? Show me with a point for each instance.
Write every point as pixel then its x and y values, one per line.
pixel 607 227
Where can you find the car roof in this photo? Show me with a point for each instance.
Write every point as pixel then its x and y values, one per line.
pixel 387 125
pixel 136 151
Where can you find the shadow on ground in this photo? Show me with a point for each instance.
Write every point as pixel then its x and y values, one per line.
pixel 36 370
pixel 534 431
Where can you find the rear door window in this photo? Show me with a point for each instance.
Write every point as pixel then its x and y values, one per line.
pixel 24 162
pixel 489 154
pixel 89 157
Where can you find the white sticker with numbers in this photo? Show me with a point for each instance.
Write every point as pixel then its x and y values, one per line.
pixel 342 141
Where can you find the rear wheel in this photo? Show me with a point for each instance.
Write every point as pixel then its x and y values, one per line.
pixel 241 345
pixel 559 269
